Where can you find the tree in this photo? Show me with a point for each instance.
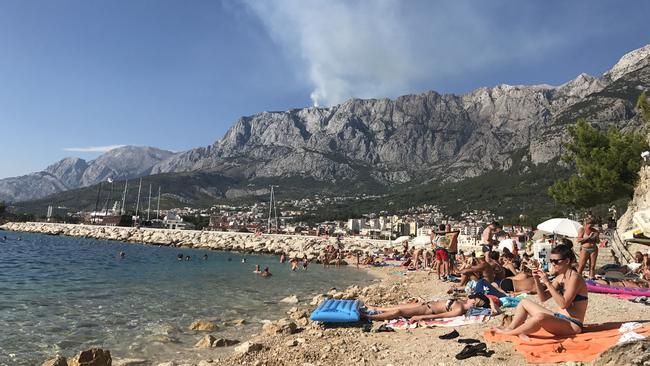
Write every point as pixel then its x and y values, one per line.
pixel 3 206
pixel 606 163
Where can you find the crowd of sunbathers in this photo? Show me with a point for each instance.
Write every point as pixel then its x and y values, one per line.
pixel 501 271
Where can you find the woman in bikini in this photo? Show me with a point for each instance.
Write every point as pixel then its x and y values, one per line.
pixel 569 291
pixel 430 309
pixel 588 238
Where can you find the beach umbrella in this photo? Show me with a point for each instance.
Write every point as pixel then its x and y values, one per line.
pixel 561 226
pixel 401 239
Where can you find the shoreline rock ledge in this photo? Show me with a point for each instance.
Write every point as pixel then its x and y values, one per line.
pixel 290 245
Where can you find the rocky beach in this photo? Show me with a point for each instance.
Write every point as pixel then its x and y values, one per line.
pixel 295 340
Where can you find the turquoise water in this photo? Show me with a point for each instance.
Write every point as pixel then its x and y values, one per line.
pixel 62 295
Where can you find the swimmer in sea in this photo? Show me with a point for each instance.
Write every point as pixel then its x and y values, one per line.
pixel 205 257
pixel 257 269
pixel 122 254
pixel 179 256
pixel 266 273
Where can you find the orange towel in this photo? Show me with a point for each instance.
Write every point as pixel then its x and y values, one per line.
pixel 543 347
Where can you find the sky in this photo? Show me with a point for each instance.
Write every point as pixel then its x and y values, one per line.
pixel 78 77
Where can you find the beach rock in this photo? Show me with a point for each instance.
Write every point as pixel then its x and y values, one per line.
pixel 282 326
pixel 170 363
pixel 299 314
pixel 293 299
pixel 223 342
pixel 248 347
pixel 238 322
pixel 291 343
pixel 633 353
pixel 203 325
pixel 56 361
pixel 317 299
pixel 92 357
pixel 205 342
pixel 131 362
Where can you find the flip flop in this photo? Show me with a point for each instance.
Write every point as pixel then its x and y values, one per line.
pixel 468 341
pixel 471 350
pixel 451 335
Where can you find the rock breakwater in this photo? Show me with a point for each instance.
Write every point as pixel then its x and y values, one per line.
pixel 290 245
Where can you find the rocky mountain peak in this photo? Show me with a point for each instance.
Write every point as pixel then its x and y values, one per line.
pixel 631 61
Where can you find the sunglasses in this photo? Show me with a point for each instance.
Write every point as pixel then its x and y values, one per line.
pixel 556 261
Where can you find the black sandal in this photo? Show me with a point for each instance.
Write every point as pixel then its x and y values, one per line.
pixel 468 340
pixel 472 350
pixel 451 335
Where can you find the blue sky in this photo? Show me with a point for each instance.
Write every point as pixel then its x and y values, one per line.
pixel 84 74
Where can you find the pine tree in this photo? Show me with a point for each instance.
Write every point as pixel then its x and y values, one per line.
pixel 606 163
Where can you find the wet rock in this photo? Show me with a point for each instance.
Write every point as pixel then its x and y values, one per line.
pixel 223 342
pixel 238 322
pixel 248 347
pixel 56 361
pixel 204 325
pixel 131 362
pixel 205 342
pixel 293 299
pixel 92 357
pixel 632 353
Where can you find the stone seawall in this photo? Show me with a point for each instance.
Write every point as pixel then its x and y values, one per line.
pixel 291 245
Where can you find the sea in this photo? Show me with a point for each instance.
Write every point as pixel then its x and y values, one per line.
pixel 61 295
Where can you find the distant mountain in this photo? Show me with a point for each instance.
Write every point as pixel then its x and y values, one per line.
pixel 484 141
pixel 421 137
pixel 121 163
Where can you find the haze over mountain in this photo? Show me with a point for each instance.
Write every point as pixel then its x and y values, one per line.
pixel 413 139
pixel 125 162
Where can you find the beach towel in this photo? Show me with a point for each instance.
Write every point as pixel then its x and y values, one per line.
pixel 454 322
pixel 401 324
pixel 543 347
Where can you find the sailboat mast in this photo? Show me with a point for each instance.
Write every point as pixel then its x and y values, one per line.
pixel 270 208
pixel 149 206
pixel 108 198
pixel 122 210
pixel 275 211
pixel 99 192
pixel 137 205
pixel 158 208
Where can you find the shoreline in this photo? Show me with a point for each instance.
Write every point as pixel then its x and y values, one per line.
pixel 192 355
pixel 290 245
pixel 295 340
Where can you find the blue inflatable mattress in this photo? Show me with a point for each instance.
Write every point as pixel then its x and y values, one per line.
pixel 337 311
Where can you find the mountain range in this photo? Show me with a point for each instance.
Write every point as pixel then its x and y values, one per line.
pixel 375 144
pixel 125 162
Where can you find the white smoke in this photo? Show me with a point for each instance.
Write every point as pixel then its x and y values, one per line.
pixel 378 48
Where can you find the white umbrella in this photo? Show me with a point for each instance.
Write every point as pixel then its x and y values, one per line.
pixel 561 226
pixel 401 239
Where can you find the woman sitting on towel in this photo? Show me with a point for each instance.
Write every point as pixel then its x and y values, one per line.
pixel 569 291
pixel 431 309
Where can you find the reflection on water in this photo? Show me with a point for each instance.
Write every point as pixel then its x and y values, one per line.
pixel 62 295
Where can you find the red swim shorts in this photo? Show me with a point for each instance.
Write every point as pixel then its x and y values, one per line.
pixel 442 255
